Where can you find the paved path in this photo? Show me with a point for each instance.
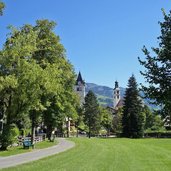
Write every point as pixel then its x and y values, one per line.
pixel 63 145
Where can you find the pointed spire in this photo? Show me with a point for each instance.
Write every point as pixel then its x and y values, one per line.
pixel 116 84
pixel 79 79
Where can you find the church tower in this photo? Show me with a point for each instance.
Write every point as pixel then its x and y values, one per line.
pixel 116 95
pixel 80 88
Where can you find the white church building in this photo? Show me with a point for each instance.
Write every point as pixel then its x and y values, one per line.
pixel 117 100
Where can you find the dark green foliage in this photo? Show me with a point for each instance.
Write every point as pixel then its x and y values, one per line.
pixel 117 121
pixel 92 114
pixel 153 120
pixel 158 67
pixel 52 117
pixel 79 123
pixel 133 118
pixel 149 117
pixel 2 6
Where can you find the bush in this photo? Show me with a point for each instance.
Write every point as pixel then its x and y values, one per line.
pixel 157 134
pixel 9 136
pixel 103 132
pixel 14 133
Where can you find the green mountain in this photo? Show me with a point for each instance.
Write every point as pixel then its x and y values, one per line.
pixel 105 95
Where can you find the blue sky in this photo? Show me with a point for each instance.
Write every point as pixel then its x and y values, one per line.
pixel 103 38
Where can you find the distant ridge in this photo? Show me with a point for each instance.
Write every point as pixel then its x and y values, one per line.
pixel 105 94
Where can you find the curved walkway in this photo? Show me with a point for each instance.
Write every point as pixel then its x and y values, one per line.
pixel 14 160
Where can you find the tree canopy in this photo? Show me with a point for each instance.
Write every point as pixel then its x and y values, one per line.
pixel 2 6
pixel 36 79
pixel 158 68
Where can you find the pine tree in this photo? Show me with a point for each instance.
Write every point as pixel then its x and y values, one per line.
pixel 91 113
pixel 158 67
pixel 133 120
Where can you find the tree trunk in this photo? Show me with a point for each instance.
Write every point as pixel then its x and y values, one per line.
pixel 33 129
pixel 5 141
pixel 3 148
pixel 108 131
pixel 68 128
pixel 89 135
pixel 9 111
pixel 89 132
pixel 49 132
pixel 77 131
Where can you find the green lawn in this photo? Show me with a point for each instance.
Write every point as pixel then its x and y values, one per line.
pixel 108 155
pixel 20 149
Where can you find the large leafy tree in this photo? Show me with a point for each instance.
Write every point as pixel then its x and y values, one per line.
pixel 92 114
pixel 51 56
pixel 35 77
pixel 133 119
pixel 158 67
pixel 21 78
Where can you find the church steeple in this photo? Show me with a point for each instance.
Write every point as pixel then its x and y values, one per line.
pixel 116 94
pixel 116 85
pixel 80 88
pixel 79 79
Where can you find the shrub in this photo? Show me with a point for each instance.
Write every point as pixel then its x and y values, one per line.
pixel 8 136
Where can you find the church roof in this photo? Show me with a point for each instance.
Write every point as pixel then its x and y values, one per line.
pixel 120 103
pixel 79 79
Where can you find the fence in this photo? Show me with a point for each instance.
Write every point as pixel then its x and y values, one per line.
pixel 37 138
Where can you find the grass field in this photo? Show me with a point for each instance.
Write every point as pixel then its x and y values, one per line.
pixel 20 149
pixel 108 155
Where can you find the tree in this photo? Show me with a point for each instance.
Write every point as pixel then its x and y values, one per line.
pixel 117 121
pixel 20 77
pixel 106 119
pixel 51 57
pixel 2 6
pixel 91 113
pixel 80 120
pixel 35 77
pixel 153 121
pixel 149 117
pixel 133 119
pixel 158 68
